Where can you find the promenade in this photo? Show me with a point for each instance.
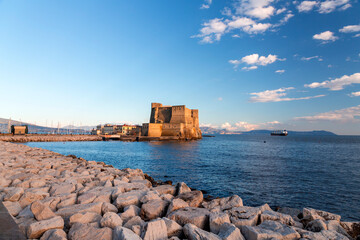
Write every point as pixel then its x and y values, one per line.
pixel 52 196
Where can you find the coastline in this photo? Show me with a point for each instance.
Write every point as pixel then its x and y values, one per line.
pixel 48 138
pixel 52 195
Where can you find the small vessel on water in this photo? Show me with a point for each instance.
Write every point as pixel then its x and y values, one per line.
pixel 279 133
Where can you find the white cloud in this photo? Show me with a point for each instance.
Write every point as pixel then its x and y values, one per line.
pixel 310 58
pixel 206 4
pixel 260 9
pixel 350 29
pixel 357 35
pixel 345 115
pixel 255 60
pixel 247 25
pixel 226 11
pixel 280 10
pixel 306 6
pixel 329 6
pixel 245 126
pixel 355 94
pixel 220 98
pixel 338 83
pixel 325 36
pixel 277 95
pixel 280 71
pixel 212 30
pixel 250 68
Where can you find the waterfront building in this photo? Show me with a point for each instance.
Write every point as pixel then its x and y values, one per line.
pixel 19 130
pixel 177 121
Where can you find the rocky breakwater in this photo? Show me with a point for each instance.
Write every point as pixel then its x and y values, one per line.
pixel 48 138
pixel 52 196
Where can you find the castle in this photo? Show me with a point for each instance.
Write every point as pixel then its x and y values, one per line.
pixel 172 121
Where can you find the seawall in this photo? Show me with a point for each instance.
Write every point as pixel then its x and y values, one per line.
pixel 48 138
pixel 52 196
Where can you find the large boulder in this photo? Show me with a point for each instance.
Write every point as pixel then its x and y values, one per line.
pixel 270 230
pixel 222 204
pixel 216 220
pixel 14 194
pixel 84 217
pixel 176 204
pixel 63 188
pixel 316 225
pixel 229 231
pixel 173 228
pixel 181 188
pixel 66 212
pixel 276 216
pixel 165 189
pixel 111 220
pixel 30 197
pixel 334 225
pixel 153 209
pixel 134 221
pixel 81 231
pixel 352 228
pixel 129 198
pixel 194 233
pixel 36 229
pixel 121 233
pixel 14 208
pixel 244 216
pixel 155 230
pixel 197 216
pixel 54 234
pixel 129 212
pixel 194 198
pixel 313 214
pixel 41 211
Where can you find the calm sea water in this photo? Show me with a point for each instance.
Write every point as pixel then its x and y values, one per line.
pixel 318 172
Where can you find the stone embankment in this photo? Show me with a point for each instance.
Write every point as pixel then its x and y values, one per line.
pixel 52 196
pixel 48 138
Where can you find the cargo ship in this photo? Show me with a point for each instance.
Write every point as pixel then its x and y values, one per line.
pixel 279 133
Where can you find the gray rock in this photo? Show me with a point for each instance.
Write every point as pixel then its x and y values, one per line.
pixel 313 214
pixel 129 198
pixel 216 220
pixel 269 230
pixel 229 231
pixel 276 216
pixel 66 212
pixel 111 220
pixel 181 188
pixel 176 204
pixel 151 195
pixel 155 230
pixel 121 233
pixel 352 228
pixel 165 189
pixel 241 216
pixel 223 204
pixel 153 209
pixel 14 208
pixel 129 212
pixel 81 231
pixel 41 211
pixel 54 234
pixel 57 189
pixel 36 229
pixel 84 217
pixel 293 212
pixel 316 225
pixel 197 216
pixel 134 221
pixel 26 213
pixel 194 233
pixel 334 225
pixel 194 198
pixel 108 207
pixel 173 228
pixel 14 194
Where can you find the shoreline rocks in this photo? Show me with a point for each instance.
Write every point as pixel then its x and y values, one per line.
pixel 52 196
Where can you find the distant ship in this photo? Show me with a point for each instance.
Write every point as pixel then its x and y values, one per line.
pixel 279 133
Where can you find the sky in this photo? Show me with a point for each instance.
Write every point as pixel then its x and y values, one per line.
pixel 245 64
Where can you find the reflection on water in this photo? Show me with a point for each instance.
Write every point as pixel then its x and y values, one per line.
pixel 319 172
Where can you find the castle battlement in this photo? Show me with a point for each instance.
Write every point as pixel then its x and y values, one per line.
pixel 176 121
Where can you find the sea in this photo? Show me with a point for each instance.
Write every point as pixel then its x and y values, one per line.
pixel 321 172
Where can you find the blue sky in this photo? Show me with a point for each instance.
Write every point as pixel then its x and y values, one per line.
pixel 245 64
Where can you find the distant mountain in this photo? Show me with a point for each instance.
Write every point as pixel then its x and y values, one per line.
pixel 210 130
pixel 40 129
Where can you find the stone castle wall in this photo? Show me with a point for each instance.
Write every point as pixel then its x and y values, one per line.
pixel 172 121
